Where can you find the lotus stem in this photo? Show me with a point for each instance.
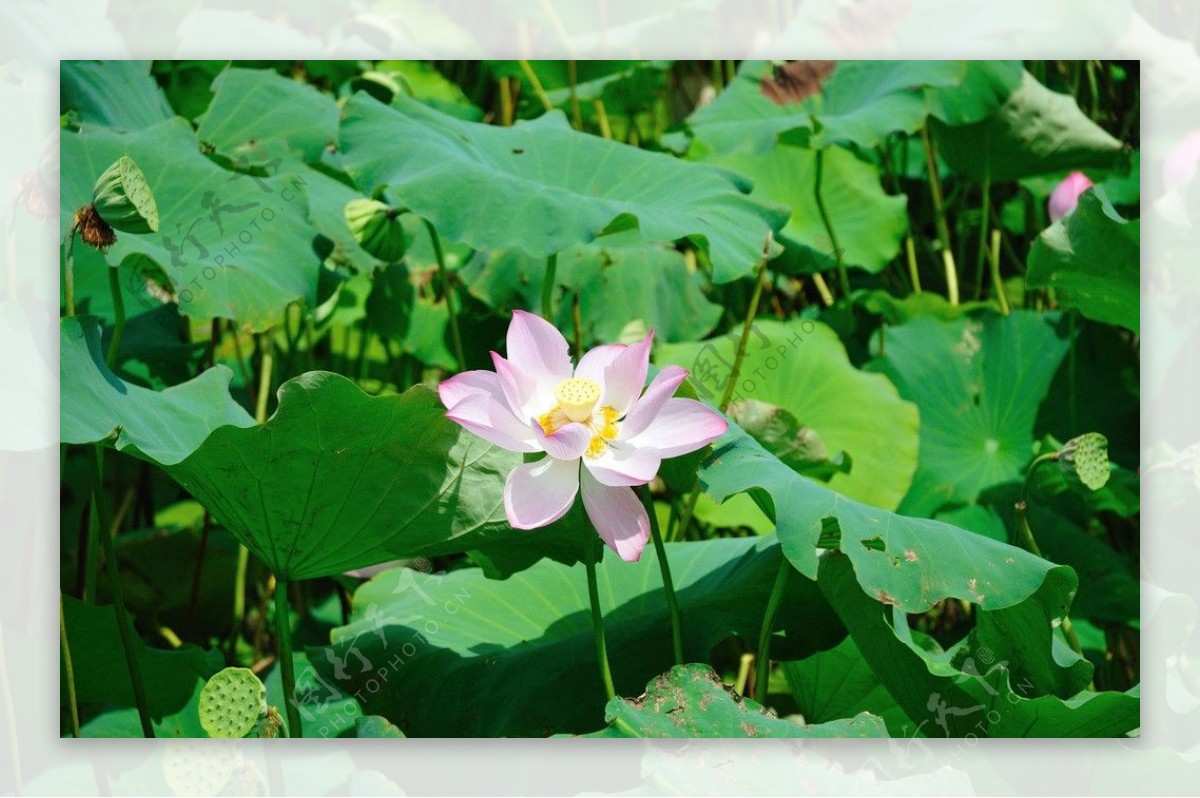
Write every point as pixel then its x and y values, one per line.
pixel 287 668
pixel 124 627
pixel 665 567
pixel 762 670
pixel 448 294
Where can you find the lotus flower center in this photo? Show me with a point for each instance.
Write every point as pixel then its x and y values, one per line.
pixel 577 397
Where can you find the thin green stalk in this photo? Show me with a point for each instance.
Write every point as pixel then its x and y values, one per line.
pixel 287 669
pixel 548 287
pixel 745 664
pixel 506 103
pixel 68 668
pixel 602 119
pixel 751 312
pixel 589 561
pixel 239 598
pixel 69 269
pixel 572 79
pixel 114 287
pixel 1072 404
pixel 762 669
pixel 985 213
pixel 264 378
pixel 939 214
pixel 910 255
pixel 531 76
pixel 843 276
pixel 197 572
pixel 693 497
pixel 447 294
pixel 665 567
pixel 124 627
pixel 91 568
pixel 994 267
pixel 1031 543
pixel 822 289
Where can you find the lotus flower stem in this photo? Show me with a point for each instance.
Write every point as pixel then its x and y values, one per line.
pixel 1031 543
pixel 287 670
pixel 985 216
pixel 939 215
pixel 532 77
pixel 997 282
pixel 548 287
pixel 589 562
pixel 843 277
pixel 762 668
pixel 506 103
pixel 69 269
pixel 447 294
pixel 264 378
pixel 572 79
pixel 911 255
pixel 665 567
pixel 602 119
pixel 124 627
pixel 114 345
pixel 690 508
pixel 68 668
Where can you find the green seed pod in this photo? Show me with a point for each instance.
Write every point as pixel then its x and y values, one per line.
pixel 232 703
pixel 377 228
pixel 123 198
pixel 1086 458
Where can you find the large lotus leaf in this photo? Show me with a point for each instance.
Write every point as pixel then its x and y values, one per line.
pixel 911 563
pixel 868 222
pixel 860 102
pixel 116 94
pixel 802 367
pixel 839 683
pixel 233 245
pixel 622 286
pixel 971 692
pixel 691 701
pixel 171 678
pixel 164 426
pixel 541 186
pixel 1091 258
pixel 258 117
pixel 525 645
pixel 1035 131
pixel 978 383
pixel 337 479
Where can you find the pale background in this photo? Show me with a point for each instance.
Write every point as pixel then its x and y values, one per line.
pixel 35 35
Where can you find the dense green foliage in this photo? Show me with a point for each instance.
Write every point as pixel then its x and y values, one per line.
pixel 260 486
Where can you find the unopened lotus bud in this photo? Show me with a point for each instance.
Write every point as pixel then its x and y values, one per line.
pixel 1086 458
pixel 1065 196
pixel 123 199
pixel 377 229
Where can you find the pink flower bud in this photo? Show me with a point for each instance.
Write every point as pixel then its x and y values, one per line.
pixel 1065 196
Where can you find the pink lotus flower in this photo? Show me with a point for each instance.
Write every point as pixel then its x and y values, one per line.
pixel 1065 196
pixel 595 415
